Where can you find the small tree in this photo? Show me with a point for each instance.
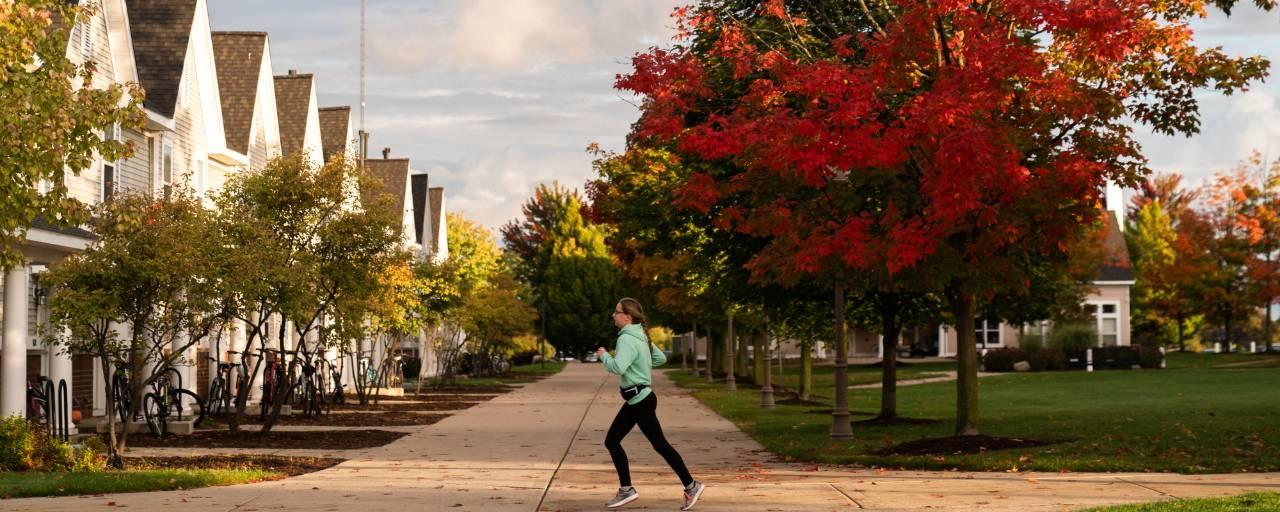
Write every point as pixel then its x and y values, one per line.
pixel 52 124
pixel 152 272
pixel 493 317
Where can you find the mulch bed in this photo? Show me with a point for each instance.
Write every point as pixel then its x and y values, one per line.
pixel 278 439
pixel 290 466
pixel 960 445
pixel 432 405
pixel 470 389
pixel 384 419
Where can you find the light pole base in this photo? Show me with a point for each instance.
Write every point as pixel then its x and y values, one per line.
pixel 766 398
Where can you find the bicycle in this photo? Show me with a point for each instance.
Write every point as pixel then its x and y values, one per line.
pixel 38 396
pixel 272 375
pixel 335 376
pixel 165 398
pixel 308 389
pixel 219 397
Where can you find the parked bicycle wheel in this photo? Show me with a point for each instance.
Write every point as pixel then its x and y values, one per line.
pixel 195 411
pixel 120 396
pixel 215 399
pixel 156 413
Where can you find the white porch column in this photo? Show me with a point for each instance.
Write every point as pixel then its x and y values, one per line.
pixel 183 361
pixel 13 357
pixel 60 371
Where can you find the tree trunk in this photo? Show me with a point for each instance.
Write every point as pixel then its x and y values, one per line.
pixel 840 427
pixel 962 308
pixel 806 374
pixel 730 380
pixel 889 363
pixel 740 362
pixel 712 349
pixel 1226 335
pixel 1182 343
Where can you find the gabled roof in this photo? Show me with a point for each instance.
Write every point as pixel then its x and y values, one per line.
pixel 293 99
pixel 335 126
pixel 39 222
pixel 437 204
pixel 1115 265
pixel 393 173
pixel 419 188
pixel 160 30
pixel 238 57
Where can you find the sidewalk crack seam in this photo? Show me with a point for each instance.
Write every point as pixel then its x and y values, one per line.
pixel 846 496
pixel 240 505
pixel 569 448
pixel 1152 489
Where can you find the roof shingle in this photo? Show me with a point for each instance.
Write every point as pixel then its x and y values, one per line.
pixel 160 30
pixel 419 187
pixel 393 174
pixel 335 125
pixel 293 100
pixel 1115 265
pixel 238 57
pixel 437 209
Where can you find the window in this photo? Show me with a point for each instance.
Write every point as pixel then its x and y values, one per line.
pixel 108 181
pixel 166 166
pixel 1107 321
pixel 110 133
pixel 151 161
pixel 988 331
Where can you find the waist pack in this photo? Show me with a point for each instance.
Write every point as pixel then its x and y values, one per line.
pixel 630 392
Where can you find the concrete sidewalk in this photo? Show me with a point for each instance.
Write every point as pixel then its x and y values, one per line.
pixel 543 444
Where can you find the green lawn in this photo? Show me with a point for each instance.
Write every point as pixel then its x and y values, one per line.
pixel 32 484
pixel 1248 502
pixel 1191 360
pixel 824 374
pixel 1191 420
pixel 518 375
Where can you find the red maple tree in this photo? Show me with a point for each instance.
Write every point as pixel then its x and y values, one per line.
pixel 969 135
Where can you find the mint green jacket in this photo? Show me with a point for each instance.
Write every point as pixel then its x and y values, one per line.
pixel 633 361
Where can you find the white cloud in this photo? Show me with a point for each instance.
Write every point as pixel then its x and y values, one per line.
pixel 491 188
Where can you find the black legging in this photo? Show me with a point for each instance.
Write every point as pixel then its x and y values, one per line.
pixel 644 414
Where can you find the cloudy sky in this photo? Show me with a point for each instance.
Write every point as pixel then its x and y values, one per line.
pixel 491 97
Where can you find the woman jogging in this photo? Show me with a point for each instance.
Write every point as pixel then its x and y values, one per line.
pixel 633 361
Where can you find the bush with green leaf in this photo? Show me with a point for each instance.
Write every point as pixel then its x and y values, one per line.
pixel 1002 359
pixel 1073 338
pixel 17 444
pixel 1031 343
pixel 1149 357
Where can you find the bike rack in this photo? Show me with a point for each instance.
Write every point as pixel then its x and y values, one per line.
pixel 61 412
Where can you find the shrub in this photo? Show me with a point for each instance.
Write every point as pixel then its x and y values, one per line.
pixel 524 357
pixel 1031 343
pixel 1122 358
pixel 26 446
pixel 1002 359
pixel 1149 357
pixel 17 444
pixel 1073 338
pixel 91 456
pixel 1047 359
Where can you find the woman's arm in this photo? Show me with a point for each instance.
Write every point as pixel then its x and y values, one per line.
pixel 659 358
pixel 621 360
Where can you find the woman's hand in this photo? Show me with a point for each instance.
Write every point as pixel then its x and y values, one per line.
pixel 600 352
